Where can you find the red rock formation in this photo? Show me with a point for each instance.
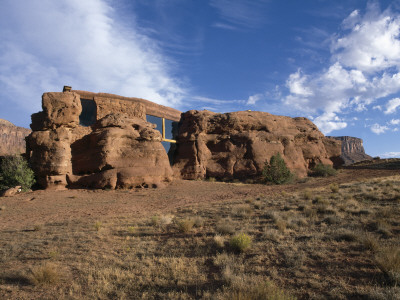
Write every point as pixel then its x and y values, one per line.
pixel 12 138
pixel 352 149
pixel 121 152
pixel 118 151
pixel 237 145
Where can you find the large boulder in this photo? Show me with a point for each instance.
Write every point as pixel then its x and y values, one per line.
pixel 120 152
pixel 59 109
pixel 237 145
pixel 50 155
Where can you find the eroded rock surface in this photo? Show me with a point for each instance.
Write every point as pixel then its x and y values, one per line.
pixel 121 152
pixel 237 145
pixel 352 149
pixel 118 151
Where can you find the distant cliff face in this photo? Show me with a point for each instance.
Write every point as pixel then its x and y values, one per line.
pixel 12 138
pixel 352 149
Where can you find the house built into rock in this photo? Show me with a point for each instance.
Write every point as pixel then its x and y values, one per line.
pixel 96 140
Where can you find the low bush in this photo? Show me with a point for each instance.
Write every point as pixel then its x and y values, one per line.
pixel 322 170
pixel 276 171
pixel 240 242
pixel 14 171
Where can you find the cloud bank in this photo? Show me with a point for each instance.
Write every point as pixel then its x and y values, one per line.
pixel 47 44
pixel 365 68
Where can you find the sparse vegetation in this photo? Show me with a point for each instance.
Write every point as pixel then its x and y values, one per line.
pixel 276 171
pixel 14 171
pixel 311 242
pixel 322 170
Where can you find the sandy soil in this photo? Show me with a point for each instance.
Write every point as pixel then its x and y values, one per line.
pixel 26 210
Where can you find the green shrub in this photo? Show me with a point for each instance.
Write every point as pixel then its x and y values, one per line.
pixel 276 170
pixel 14 171
pixel 240 242
pixel 322 170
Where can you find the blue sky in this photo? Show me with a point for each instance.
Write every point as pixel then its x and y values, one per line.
pixel 335 62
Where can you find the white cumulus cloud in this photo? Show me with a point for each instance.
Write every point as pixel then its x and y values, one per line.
pixel 378 129
pixel 47 44
pixel 365 68
pixel 392 105
pixel 372 43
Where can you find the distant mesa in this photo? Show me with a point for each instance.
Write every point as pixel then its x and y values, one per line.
pixel 352 149
pixel 12 138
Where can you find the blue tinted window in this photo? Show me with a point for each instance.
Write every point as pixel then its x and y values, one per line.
pixel 155 120
pixel 171 129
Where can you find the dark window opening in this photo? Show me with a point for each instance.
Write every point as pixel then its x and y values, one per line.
pixel 169 132
pixel 89 112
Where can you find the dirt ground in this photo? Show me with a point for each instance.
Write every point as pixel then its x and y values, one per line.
pixel 26 210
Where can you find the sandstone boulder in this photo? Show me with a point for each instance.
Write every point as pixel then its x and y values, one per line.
pixel 237 145
pixel 49 155
pixel 11 191
pixel 59 109
pixel 120 152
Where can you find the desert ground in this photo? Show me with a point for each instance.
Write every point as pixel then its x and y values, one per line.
pixel 318 238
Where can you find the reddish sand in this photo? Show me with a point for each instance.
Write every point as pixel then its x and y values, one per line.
pixel 39 207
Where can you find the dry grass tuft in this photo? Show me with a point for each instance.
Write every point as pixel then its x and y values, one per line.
pixel 334 187
pixel 97 225
pixel 388 261
pixel 219 241
pixel 225 226
pixel 185 226
pixel 44 275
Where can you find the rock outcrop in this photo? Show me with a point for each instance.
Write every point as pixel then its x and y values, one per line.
pixel 237 145
pixel 352 149
pixel 118 151
pixel 12 138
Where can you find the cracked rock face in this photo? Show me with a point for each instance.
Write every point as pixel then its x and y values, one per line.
pixel 237 145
